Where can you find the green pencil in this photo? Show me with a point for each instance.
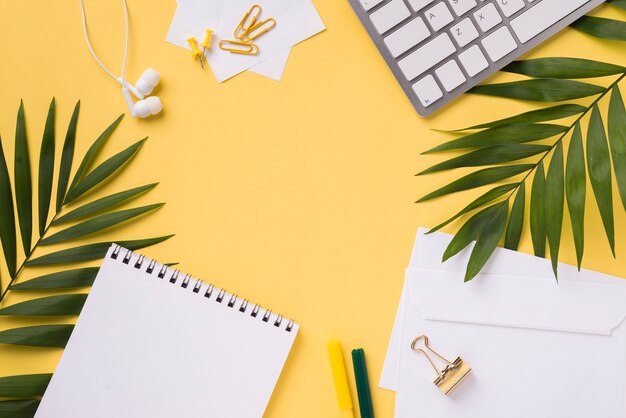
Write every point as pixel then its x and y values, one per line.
pixel 362 383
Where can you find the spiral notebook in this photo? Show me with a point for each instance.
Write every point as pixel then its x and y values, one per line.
pixel 154 342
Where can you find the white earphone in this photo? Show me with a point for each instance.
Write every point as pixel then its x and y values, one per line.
pixel 145 106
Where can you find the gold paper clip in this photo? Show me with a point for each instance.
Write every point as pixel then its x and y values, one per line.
pixel 237 47
pixel 258 29
pixel 248 21
pixel 454 372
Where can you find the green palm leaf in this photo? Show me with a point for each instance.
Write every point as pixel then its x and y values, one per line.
pixel 103 204
pixel 496 154
pixel 548 80
pixel 66 158
pixel 91 252
pixel 563 68
pixel 478 179
pixel 46 169
pixel 23 182
pixel 600 27
pixel 516 220
pixel 96 218
pixel 60 280
pixel 25 386
pixel 470 231
pixel 537 220
pixel 540 90
pixel 598 163
pixel 98 224
pixel 38 336
pixel 617 134
pixel 7 218
pixel 500 135
pixel 103 171
pixel 487 240
pixel 19 409
pixel 618 3
pixel 93 151
pixel 61 305
pixel 576 190
pixel 554 201
pixel 533 116
pixel 490 196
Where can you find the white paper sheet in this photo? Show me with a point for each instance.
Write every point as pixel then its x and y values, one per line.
pixel 537 349
pixel 296 20
pixel 179 31
pixel 427 252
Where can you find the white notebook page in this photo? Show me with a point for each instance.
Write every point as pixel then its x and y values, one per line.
pixel 145 347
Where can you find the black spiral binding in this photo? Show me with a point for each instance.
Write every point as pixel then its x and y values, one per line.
pixel 211 290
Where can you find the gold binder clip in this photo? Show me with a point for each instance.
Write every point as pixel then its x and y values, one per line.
pixel 248 21
pixel 454 372
pixel 237 47
pixel 258 29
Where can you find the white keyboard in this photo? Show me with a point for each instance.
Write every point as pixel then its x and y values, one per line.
pixel 438 49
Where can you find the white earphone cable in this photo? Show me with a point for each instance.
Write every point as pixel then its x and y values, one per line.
pixel 123 82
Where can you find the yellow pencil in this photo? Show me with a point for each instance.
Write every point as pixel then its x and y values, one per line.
pixel 341 378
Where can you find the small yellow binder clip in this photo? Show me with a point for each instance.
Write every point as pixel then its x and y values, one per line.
pixel 454 372
pixel 237 47
pixel 195 52
pixel 248 21
pixel 258 29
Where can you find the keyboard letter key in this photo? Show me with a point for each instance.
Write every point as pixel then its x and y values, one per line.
pixel 487 17
pixel 464 32
pixel 499 44
pixel 427 90
pixel 407 37
pixel 389 15
pixel 510 7
pixel 461 7
pixel 438 16
pixel 427 56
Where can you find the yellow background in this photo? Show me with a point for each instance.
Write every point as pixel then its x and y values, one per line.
pixel 297 194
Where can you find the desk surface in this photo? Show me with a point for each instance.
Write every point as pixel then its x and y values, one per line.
pixel 304 201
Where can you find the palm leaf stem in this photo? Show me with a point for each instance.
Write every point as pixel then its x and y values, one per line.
pixel 28 257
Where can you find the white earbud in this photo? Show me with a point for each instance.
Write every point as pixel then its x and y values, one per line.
pixel 147 82
pixel 145 106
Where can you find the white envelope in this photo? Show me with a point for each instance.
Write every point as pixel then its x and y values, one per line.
pixel 537 349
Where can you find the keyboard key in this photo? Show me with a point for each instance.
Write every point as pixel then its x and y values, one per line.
pixel 427 56
pixel 418 5
pixel 438 16
pixel 389 15
pixel 464 32
pixel 450 75
pixel 368 4
pixel 427 90
pixel 487 17
pixel 473 60
pixel 540 17
pixel 499 44
pixel 461 7
pixel 510 7
pixel 407 37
